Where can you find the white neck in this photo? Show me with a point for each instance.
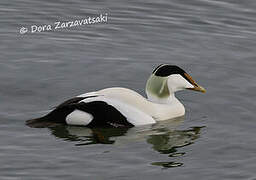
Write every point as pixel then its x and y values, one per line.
pixel 165 100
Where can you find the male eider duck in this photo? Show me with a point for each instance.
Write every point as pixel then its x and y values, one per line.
pixel 121 107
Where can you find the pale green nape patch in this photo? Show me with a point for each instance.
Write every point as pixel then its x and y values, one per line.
pixel 157 86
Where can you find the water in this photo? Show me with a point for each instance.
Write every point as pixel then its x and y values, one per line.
pixel 212 40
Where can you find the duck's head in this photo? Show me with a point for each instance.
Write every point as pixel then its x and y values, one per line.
pixel 167 79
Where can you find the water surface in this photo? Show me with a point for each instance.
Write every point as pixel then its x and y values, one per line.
pixel 214 41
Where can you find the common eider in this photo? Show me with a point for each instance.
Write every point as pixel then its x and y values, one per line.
pixel 122 107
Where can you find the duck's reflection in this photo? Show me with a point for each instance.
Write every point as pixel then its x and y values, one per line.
pixel 87 136
pixel 171 143
pixel 164 137
pixel 167 142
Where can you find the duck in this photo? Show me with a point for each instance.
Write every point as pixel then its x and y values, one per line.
pixel 122 107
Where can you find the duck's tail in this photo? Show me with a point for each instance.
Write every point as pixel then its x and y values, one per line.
pixel 57 116
pixel 41 122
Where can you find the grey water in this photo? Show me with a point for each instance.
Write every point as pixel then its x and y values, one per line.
pixel 213 40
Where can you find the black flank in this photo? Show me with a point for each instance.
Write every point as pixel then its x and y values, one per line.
pixel 104 115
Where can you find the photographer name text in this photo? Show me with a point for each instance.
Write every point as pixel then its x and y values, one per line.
pixel 64 24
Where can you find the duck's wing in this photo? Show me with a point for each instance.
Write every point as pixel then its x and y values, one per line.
pixel 133 115
pixel 96 111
